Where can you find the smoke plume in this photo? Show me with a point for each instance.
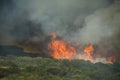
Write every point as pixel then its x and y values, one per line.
pixel 82 21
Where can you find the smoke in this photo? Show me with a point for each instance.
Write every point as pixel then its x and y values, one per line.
pixel 64 17
pixel 82 21
pixel 102 25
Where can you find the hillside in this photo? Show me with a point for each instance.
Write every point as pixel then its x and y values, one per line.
pixel 28 68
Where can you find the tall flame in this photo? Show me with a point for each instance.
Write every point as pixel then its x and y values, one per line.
pixel 89 51
pixel 61 49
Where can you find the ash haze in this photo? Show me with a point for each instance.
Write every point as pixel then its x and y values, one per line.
pixel 82 21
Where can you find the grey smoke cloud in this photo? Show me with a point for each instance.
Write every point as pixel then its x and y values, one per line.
pixel 61 16
pixel 76 20
pixel 102 25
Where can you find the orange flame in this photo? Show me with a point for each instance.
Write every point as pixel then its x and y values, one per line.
pixel 60 49
pixel 89 50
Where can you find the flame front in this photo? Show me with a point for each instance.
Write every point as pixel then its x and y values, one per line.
pixel 60 49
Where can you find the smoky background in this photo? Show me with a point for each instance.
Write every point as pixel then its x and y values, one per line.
pixel 27 23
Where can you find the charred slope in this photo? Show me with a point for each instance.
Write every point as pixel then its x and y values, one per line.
pixel 13 51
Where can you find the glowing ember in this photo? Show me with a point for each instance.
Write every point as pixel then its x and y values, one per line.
pixel 61 49
pixel 53 35
pixel 89 50
pixel 111 59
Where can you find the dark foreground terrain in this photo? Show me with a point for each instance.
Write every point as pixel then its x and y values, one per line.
pixel 27 68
